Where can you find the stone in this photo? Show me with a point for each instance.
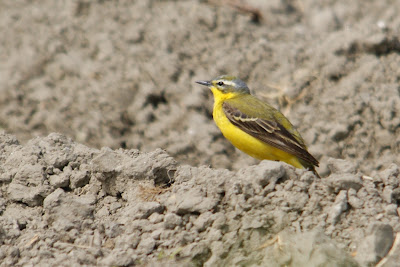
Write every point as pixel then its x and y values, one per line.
pixel 172 220
pixel 373 247
pixel 203 221
pixel 340 166
pixel 338 207
pixel 344 181
pixel 146 245
pixel 264 173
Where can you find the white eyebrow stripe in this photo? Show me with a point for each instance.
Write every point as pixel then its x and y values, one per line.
pixel 231 83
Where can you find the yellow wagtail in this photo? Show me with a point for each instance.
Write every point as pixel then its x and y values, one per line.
pixel 255 127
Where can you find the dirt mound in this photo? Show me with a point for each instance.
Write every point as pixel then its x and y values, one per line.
pixel 124 207
pixel 120 74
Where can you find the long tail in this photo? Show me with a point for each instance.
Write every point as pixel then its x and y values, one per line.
pixel 310 167
pixel 314 171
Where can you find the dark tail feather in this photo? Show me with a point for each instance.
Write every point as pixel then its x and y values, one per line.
pixel 310 167
pixel 314 171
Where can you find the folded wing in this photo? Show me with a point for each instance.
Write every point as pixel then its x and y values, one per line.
pixel 268 131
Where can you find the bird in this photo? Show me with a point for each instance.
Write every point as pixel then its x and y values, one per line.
pixel 255 127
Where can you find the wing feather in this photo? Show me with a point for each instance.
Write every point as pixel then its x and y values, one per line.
pixel 268 131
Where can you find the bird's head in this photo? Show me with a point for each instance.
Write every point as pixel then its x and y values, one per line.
pixel 226 85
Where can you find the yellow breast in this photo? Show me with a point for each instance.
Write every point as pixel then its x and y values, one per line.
pixel 247 143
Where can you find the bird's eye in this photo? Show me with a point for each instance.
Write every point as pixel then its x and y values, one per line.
pixel 220 83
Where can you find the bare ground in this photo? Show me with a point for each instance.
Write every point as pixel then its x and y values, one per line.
pixel 169 189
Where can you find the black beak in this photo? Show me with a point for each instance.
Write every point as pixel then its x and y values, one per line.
pixel 206 83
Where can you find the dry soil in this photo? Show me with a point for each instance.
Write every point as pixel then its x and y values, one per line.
pixel 109 155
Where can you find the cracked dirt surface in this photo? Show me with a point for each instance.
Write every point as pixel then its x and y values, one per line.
pixel 140 175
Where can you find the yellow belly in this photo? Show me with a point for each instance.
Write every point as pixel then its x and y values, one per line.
pixel 249 144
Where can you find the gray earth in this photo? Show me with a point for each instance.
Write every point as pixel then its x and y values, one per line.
pixel 109 155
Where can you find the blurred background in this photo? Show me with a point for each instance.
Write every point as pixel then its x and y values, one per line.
pixel 121 73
